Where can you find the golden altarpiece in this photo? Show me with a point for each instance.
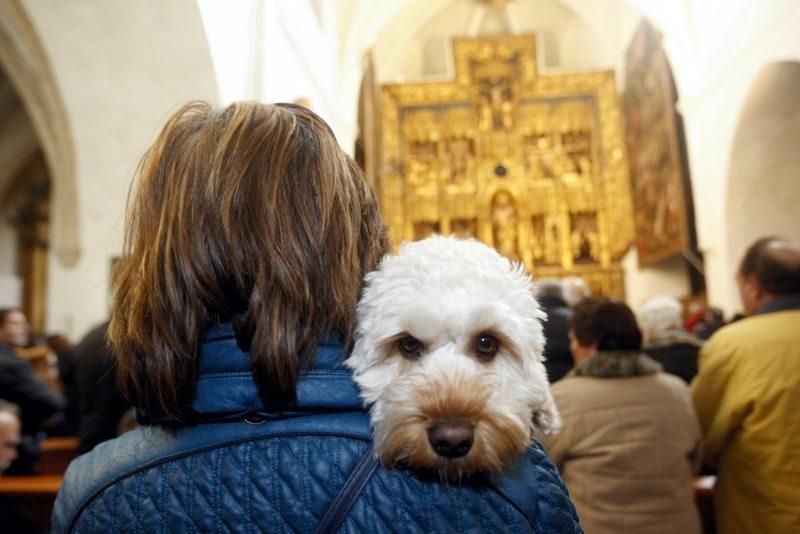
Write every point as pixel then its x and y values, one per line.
pixel 531 164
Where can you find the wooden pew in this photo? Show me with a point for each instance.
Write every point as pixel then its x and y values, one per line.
pixel 32 496
pixel 56 454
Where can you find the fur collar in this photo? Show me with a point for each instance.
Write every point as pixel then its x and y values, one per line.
pixel 616 364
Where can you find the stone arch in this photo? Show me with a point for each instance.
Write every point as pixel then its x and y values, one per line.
pixel 25 62
pixel 764 173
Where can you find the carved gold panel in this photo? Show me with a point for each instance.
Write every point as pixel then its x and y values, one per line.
pixel 533 165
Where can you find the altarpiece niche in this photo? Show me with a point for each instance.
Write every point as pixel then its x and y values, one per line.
pixel 533 165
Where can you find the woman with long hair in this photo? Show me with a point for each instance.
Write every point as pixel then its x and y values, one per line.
pixel 248 236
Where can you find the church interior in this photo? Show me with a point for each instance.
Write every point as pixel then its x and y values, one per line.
pixel 640 145
pixel 544 133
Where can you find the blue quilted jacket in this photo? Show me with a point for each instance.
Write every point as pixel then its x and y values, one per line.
pixel 241 469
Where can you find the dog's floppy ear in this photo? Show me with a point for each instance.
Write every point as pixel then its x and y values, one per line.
pixel 546 419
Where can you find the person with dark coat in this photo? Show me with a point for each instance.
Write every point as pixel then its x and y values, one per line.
pixel 558 358
pixel 62 348
pixel 99 401
pixel 665 340
pixel 18 380
pixel 249 237
pixel 713 319
pixel 11 519
pixel 20 385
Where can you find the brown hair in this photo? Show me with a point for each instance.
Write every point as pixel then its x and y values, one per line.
pixel 775 264
pixel 251 214
pixel 609 323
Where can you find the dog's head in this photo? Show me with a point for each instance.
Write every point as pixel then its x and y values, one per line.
pixel 448 355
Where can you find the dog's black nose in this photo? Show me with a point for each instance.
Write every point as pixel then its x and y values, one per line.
pixel 452 439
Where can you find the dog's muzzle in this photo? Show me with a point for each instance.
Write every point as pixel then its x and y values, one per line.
pixel 451 438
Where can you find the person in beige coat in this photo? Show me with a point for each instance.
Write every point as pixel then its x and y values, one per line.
pixel 630 440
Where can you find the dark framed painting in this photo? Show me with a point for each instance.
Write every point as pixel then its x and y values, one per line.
pixel 656 150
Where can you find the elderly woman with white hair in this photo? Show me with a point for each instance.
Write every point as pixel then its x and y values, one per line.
pixel 665 340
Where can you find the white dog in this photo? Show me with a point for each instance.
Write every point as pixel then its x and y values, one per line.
pixel 448 357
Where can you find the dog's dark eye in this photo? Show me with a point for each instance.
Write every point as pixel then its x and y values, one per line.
pixel 410 346
pixel 486 347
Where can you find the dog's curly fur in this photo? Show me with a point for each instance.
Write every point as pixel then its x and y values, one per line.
pixel 447 293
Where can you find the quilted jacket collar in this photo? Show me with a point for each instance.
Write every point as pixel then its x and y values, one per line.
pixel 226 390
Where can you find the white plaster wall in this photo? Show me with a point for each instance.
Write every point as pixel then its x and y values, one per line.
pixel 566 42
pixel 667 278
pixel 399 53
pixel 280 51
pixel 8 248
pixel 121 68
pixel 10 291
pixel 764 176
pixel 300 60
pixel 230 28
pixel 711 109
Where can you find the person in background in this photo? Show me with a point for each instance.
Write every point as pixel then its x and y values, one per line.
pixel 10 427
pixel 58 343
pixel 20 384
pixel 10 519
pixel 64 351
pixel 14 328
pixel 665 340
pixel 556 328
pixel 694 314
pixel 575 290
pixel 713 319
pixel 630 440
pixel 747 394
pixel 100 402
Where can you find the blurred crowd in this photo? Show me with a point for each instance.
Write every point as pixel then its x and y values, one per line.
pixel 55 389
pixel 651 399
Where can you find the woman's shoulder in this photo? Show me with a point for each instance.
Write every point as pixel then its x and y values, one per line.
pixel 291 480
pixel 529 496
pixel 161 455
pixel 582 395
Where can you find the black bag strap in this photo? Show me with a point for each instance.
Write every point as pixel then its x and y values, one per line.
pixel 341 506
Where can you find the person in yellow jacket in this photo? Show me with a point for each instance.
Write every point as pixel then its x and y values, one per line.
pixel 747 397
